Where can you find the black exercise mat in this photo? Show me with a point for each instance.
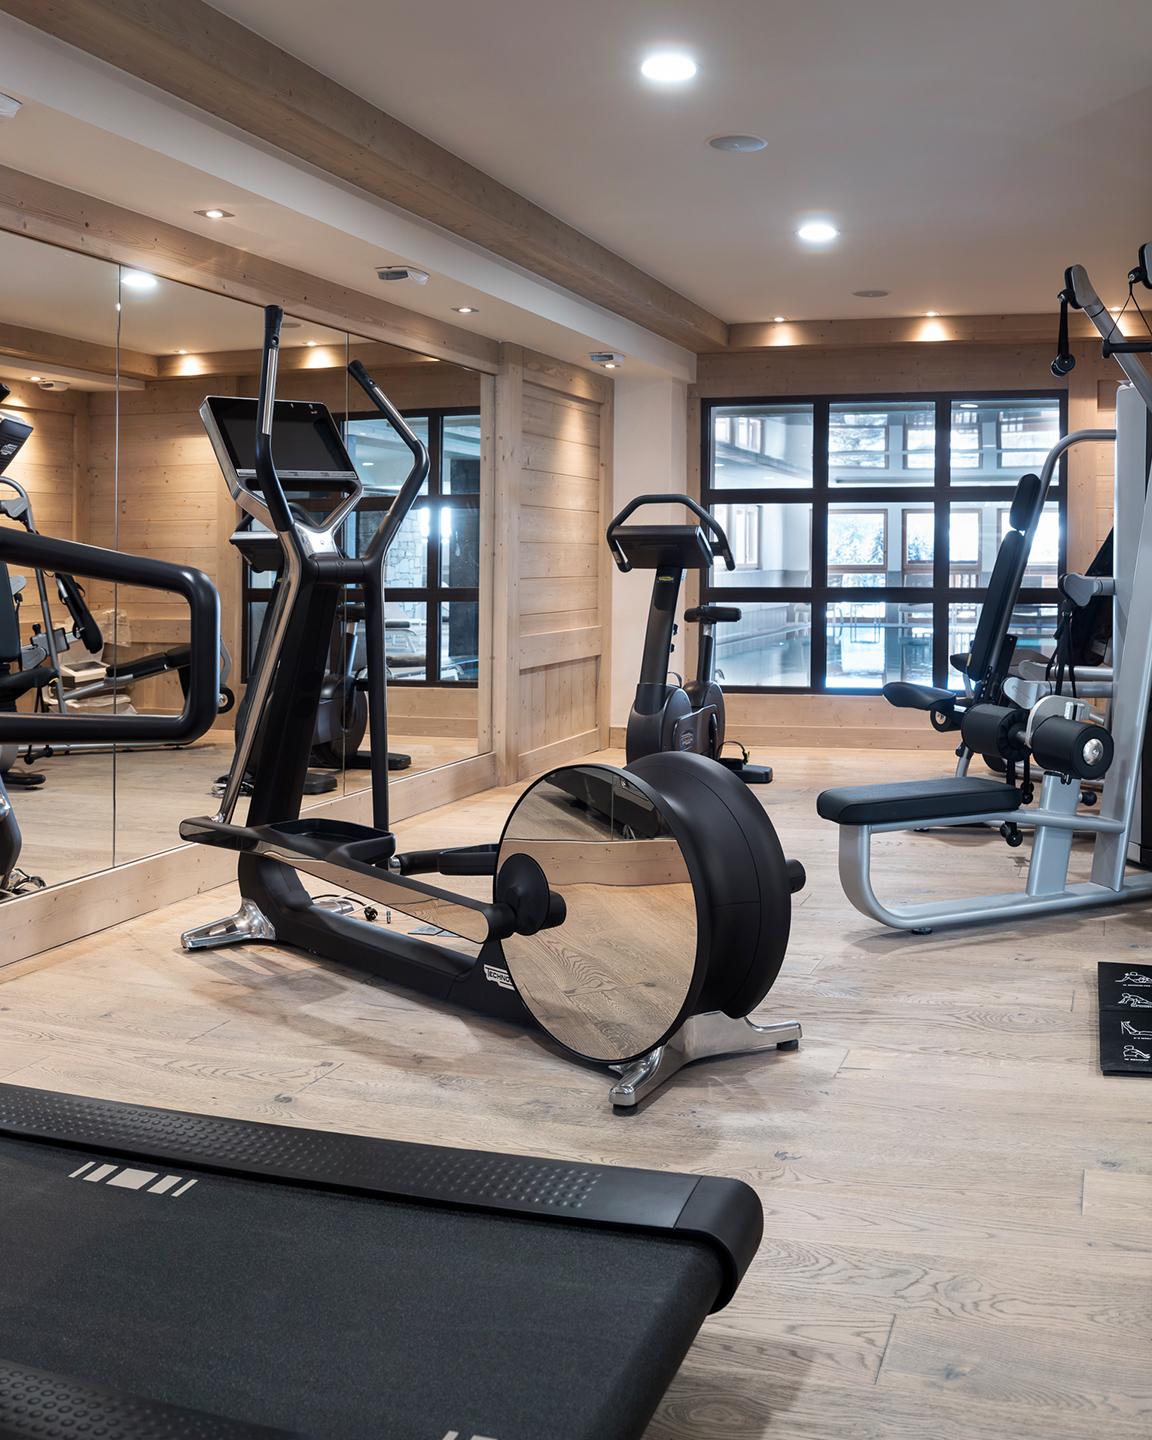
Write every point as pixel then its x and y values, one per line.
pixel 1125 1018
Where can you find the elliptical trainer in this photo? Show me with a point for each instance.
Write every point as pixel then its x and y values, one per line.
pixel 666 880
pixel 688 715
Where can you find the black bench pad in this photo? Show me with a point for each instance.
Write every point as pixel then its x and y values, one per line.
pixel 906 696
pixel 915 800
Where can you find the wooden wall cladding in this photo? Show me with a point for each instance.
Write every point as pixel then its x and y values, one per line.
pixel 553 497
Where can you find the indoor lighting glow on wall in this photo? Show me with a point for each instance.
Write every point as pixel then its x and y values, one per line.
pixel 668 67
pixel 139 280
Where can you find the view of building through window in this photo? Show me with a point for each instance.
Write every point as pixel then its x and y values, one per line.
pixel 865 531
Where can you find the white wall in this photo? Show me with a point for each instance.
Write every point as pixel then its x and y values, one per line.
pixel 651 454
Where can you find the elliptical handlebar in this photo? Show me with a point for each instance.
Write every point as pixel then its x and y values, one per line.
pixel 414 482
pixel 717 539
pixel 271 490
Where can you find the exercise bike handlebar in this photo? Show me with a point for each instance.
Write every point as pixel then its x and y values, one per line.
pixel 717 538
pixel 407 495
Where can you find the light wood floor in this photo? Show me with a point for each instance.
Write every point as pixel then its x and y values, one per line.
pixel 958 1205
pixel 93 811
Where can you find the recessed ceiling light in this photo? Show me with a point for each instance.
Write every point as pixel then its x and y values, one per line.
pixel 931 314
pixel 311 344
pixel 738 144
pixel 817 232
pixel 35 379
pixel 871 294
pixel 668 67
pixel 778 319
pixel 1116 309
pixel 181 352
pixel 464 309
pixel 139 280
pixel 368 464
pixel 609 359
pixel 215 213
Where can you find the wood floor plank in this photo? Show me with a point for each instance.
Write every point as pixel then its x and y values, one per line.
pixel 956 1201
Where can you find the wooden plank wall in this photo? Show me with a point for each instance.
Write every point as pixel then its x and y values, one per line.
pixel 854 720
pixel 554 455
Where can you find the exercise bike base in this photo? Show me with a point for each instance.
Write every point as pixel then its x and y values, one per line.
pixel 750 774
pixel 702 1037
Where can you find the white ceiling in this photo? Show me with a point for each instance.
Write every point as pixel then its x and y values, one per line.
pixel 969 151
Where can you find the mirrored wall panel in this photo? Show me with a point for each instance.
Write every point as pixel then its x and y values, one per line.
pixel 108 369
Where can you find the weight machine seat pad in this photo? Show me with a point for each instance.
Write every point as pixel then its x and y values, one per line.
pixel 342 1286
pixel 712 615
pixel 160 662
pixel 13 686
pixel 906 696
pixel 915 800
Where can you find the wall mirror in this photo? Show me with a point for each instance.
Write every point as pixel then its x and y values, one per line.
pixel 120 458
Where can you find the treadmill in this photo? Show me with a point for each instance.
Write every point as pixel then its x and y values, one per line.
pixel 169 1275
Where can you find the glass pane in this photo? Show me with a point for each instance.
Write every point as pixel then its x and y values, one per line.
pixel 876 545
pixel 882 444
pixel 762 447
pixel 460 546
pixel 461 460
pixel 871 642
pixel 978 527
pixel 460 640
pixel 406 639
pixel 994 441
pixel 772 544
pixel 381 458
pixel 770 645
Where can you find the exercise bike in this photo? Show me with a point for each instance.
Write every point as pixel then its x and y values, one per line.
pixel 666 881
pixel 688 715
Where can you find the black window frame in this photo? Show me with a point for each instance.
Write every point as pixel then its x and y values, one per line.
pixel 938 493
pixel 433 594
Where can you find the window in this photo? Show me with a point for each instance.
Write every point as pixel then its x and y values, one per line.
pixel 865 531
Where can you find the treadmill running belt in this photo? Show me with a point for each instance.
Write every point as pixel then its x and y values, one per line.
pixel 310 1308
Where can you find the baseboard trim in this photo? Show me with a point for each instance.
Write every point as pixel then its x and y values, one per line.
pixel 38 922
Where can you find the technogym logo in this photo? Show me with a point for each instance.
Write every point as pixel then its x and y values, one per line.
pixel 123 1177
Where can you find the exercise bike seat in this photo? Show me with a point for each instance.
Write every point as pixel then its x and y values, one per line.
pixel 712 614
pixel 906 696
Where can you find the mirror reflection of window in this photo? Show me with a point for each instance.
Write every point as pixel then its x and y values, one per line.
pixel 433 572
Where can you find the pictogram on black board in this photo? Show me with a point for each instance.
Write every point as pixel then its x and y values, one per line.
pixel 1125 1031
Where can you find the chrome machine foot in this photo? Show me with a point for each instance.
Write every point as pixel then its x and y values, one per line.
pixel 702 1037
pixel 248 923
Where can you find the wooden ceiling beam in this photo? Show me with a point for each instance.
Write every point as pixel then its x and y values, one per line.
pixel 206 59
pixel 48 351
